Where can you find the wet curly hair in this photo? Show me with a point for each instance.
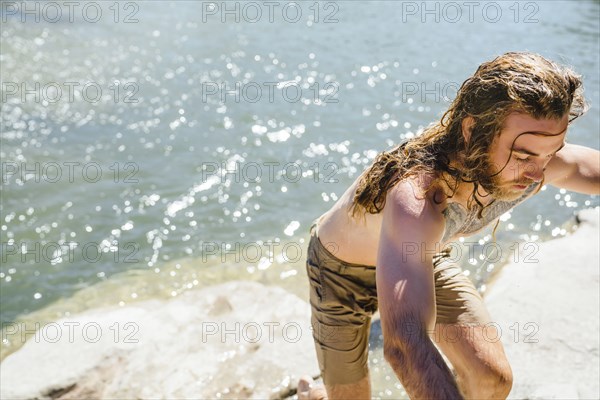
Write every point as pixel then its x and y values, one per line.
pixel 513 82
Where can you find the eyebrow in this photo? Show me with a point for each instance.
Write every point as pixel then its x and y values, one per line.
pixel 531 153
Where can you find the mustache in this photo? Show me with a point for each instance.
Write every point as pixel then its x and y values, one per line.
pixel 524 183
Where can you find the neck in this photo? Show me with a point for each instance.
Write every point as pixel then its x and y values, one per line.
pixel 464 191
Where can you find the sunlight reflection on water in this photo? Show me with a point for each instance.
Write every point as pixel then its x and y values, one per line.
pixel 170 167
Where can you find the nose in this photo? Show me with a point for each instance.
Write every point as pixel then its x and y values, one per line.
pixel 534 172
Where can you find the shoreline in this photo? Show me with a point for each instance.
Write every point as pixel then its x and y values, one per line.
pixel 547 311
pixel 569 225
pixel 171 318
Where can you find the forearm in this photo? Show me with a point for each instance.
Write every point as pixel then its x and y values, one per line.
pixel 422 370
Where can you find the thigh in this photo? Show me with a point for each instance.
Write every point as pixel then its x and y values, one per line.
pixel 464 330
pixel 340 322
pixel 456 298
pixel 342 349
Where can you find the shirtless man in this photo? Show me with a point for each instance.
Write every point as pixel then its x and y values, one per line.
pixel 381 246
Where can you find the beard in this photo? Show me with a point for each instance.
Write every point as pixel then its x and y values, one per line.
pixel 498 189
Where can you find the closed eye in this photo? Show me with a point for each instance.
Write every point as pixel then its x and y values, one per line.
pixel 522 158
pixel 526 154
pixel 528 158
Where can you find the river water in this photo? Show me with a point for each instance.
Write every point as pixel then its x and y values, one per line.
pixel 154 147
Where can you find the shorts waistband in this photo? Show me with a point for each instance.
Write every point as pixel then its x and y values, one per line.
pixel 340 266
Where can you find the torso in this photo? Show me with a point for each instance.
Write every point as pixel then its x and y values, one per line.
pixel 356 241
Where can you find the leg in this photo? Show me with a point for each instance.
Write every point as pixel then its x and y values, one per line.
pixel 466 335
pixel 479 360
pixel 307 390
pixel 342 352
pixel 343 298
pixel 358 390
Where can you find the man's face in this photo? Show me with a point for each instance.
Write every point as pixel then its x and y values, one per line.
pixel 533 142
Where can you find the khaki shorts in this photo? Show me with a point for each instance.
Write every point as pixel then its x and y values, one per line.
pixel 343 297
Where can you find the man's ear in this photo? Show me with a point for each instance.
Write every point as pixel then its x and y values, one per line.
pixel 467 126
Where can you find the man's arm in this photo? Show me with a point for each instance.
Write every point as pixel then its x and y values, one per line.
pixel 575 168
pixel 410 230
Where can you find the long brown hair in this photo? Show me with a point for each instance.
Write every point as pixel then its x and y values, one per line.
pixel 513 82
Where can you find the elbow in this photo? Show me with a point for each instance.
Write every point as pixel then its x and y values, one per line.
pixel 393 354
pixel 400 341
pixel 396 348
pixel 400 356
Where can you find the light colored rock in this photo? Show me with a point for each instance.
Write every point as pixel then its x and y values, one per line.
pixel 239 339
pixel 548 308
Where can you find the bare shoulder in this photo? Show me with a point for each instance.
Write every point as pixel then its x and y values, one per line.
pixel 416 205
